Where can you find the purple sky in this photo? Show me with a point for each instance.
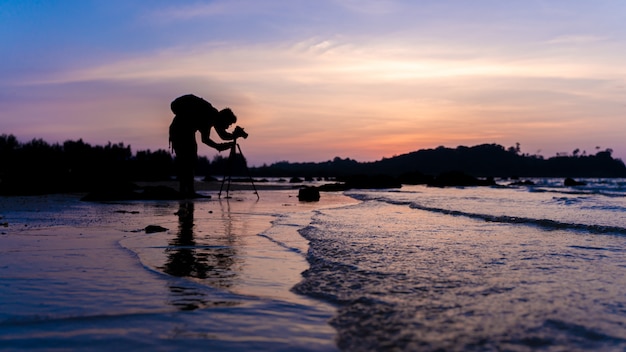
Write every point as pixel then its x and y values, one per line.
pixel 314 80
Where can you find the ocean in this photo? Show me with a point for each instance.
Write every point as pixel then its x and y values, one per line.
pixel 506 268
pixel 503 268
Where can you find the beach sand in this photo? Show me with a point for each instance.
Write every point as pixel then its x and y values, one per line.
pixel 87 275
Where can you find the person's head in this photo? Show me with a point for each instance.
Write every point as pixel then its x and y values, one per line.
pixel 226 118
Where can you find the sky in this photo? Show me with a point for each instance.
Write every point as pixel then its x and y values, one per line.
pixel 313 80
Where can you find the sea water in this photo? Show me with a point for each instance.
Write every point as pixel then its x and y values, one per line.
pixel 505 268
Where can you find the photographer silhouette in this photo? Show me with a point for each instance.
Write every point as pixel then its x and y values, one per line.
pixel 194 114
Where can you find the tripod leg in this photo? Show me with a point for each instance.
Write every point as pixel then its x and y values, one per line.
pixel 249 175
pixel 229 172
pixel 219 195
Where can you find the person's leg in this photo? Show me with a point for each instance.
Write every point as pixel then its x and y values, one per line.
pixel 186 182
pixel 186 159
pixel 186 176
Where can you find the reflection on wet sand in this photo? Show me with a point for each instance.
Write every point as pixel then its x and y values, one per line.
pixel 210 258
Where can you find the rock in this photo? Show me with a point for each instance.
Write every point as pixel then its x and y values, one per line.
pixel 459 179
pixel 522 183
pixel 309 194
pixel 372 182
pixel 154 229
pixel 158 193
pixel 570 182
pixel 415 178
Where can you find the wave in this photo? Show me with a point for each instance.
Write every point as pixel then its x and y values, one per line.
pixel 581 192
pixel 592 187
pixel 282 244
pixel 544 223
pixel 59 319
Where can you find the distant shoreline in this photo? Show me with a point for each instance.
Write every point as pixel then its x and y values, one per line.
pixel 37 167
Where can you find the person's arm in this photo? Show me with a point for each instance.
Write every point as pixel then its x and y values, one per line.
pixel 225 135
pixel 206 139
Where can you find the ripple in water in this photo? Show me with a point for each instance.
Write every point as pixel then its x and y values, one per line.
pixel 410 279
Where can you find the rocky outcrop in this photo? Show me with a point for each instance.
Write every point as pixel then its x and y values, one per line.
pixel 130 191
pixel 459 179
pixel 570 182
pixel 309 194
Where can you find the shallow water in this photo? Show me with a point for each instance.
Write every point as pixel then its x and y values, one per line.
pixel 517 269
pixel 426 269
pixel 78 275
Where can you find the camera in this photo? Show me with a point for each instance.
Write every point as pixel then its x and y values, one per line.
pixel 239 132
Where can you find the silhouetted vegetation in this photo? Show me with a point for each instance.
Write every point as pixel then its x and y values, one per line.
pixel 37 167
pixel 486 160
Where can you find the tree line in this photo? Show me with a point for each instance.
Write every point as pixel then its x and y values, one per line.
pixel 37 167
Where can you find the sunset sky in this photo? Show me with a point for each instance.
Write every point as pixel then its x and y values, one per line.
pixel 312 80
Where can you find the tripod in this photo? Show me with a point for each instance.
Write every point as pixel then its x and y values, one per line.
pixel 228 176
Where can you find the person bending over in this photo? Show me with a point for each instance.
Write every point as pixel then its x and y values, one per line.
pixel 194 114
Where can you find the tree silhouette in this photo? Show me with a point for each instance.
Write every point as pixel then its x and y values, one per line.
pixel 37 167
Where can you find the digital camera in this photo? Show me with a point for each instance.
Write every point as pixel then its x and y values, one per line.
pixel 239 132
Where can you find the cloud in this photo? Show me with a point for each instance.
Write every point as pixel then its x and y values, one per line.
pixel 187 12
pixel 370 7
pixel 576 39
pixel 248 11
pixel 333 95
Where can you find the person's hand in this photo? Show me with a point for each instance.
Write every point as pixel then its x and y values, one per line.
pixel 225 146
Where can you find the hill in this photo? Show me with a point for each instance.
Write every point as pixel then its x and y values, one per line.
pixel 486 160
